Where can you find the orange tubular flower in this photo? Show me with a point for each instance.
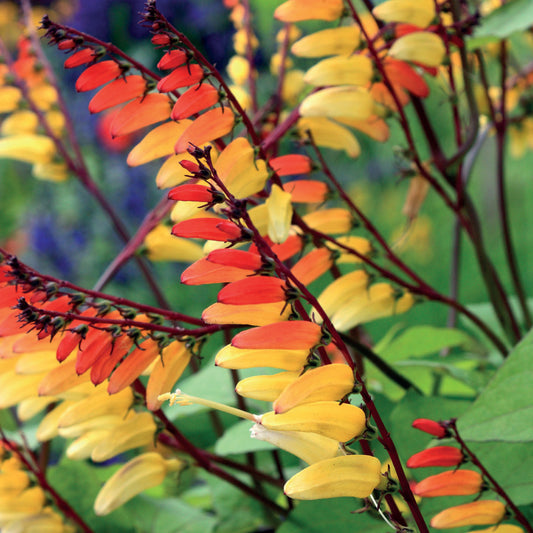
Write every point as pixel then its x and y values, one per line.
pixel 117 92
pixel 436 456
pixel 204 272
pixel 133 366
pixel 102 349
pixel 97 75
pixel 184 76
pixel 254 290
pixel 285 250
pixel 236 358
pixel 450 483
pixel 143 111
pixel 288 165
pixel 209 126
pixel 307 191
pixel 213 229
pixel 401 74
pixel 480 513
pixel 313 265
pixel 193 100
pixel 291 335
pixel 251 314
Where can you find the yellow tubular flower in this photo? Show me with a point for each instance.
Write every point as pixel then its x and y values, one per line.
pixel 335 41
pixel 29 501
pixel 238 70
pixel 30 407
pixel 141 473
pixel 297 10
pixel 15 387
pixel 309 447
pixel 343 290
pixel 328 382
pixel 13 483
pixel 266 388
pixel 480 513
pixel 355 476
pixel 135 432
pixel 293 86
pixel 421 47
pixel 237 167
pixel 83 446
pixel 502 528
pixel 159 142
pixel 29 148
pixel 279 208
pixel 237 358
pixel 9 99
pixel 340 70
pixel 166 371
pixel 379 301
pixel 50 171
pixel 43 522
pixel 329 134
pixel 43 96
pixel 344 101
pixel 417 12
pixel 48 427
pixel 96 405
pixel 330 221
pixel 56 121
pixel 341 422
pixel 19 122
pixel 161 245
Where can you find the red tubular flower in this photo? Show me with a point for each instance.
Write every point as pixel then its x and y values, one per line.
pixel 213 229
pixel 172 59
pixel 236 258
pixel 67 44
pixel 81 57
pixel 105 364
pixel 184 76
pixel 291 335
pixel 161 39
pixel 143 111
pixel 430 426
pixel 117 92
pixel 191 166
pixel 254 290
pixel 450 483
pixel 191 193
pixel 204 272
pixel 193 100
pixel 306 191
pixel 436 456
pixel 288 165
pixel 97 75
pixel 209 126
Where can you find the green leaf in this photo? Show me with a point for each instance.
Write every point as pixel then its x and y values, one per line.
pixel 237 440
pixel 79 483
pixel 235 511
pixel 335 514
pixel 169 515
pixel 510 18
pixel 423 340
pixel 211 383
pixel 504 410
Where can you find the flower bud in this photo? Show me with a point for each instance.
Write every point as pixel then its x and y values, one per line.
pixel 450 483
pixel 437 456
pixel 430 426
pixel 480 513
